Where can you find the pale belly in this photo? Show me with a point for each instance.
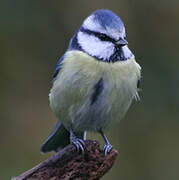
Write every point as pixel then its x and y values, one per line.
pixel 71 96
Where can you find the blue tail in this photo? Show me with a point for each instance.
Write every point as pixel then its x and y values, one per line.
pixel 59 138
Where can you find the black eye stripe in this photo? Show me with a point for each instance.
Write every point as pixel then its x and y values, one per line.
pixel 101 36
pixel 104 37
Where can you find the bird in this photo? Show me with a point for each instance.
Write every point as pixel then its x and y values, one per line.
pixel 94 82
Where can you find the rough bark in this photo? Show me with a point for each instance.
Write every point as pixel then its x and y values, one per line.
pixel 68 164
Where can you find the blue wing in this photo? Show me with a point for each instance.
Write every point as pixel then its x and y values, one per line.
pixel 58 67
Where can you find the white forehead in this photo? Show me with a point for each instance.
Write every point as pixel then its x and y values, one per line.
pixel 93 25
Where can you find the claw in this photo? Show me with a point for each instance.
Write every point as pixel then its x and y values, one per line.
pixel 78 143
pixel 82 142
pixel 81 146
pixel 107 148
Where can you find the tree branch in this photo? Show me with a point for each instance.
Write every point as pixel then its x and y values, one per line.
pixel 68 164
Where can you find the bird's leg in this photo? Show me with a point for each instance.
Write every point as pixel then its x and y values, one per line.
pixel 107 146
pixel 79 143
pixel 84 135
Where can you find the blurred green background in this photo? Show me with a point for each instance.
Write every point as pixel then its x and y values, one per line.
pixel 34 34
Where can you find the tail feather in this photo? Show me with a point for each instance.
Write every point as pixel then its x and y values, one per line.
pixel 59 138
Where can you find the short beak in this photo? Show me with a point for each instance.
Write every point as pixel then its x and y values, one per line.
pixel 122 42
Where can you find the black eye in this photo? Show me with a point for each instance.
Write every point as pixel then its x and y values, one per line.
pixel 104 37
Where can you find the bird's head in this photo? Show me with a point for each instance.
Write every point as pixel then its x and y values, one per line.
pixel 102 35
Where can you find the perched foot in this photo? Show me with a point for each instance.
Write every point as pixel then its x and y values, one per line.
pixel 79 143
pixel 107 147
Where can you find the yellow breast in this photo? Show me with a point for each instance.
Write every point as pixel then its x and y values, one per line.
pixel 77 61
pixel 71 92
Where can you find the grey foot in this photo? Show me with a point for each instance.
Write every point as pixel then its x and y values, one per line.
pixel 107 148
pixel 79 143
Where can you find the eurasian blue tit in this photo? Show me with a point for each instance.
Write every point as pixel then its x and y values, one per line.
pixel 94 82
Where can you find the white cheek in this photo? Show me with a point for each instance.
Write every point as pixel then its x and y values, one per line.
pixel 95 47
